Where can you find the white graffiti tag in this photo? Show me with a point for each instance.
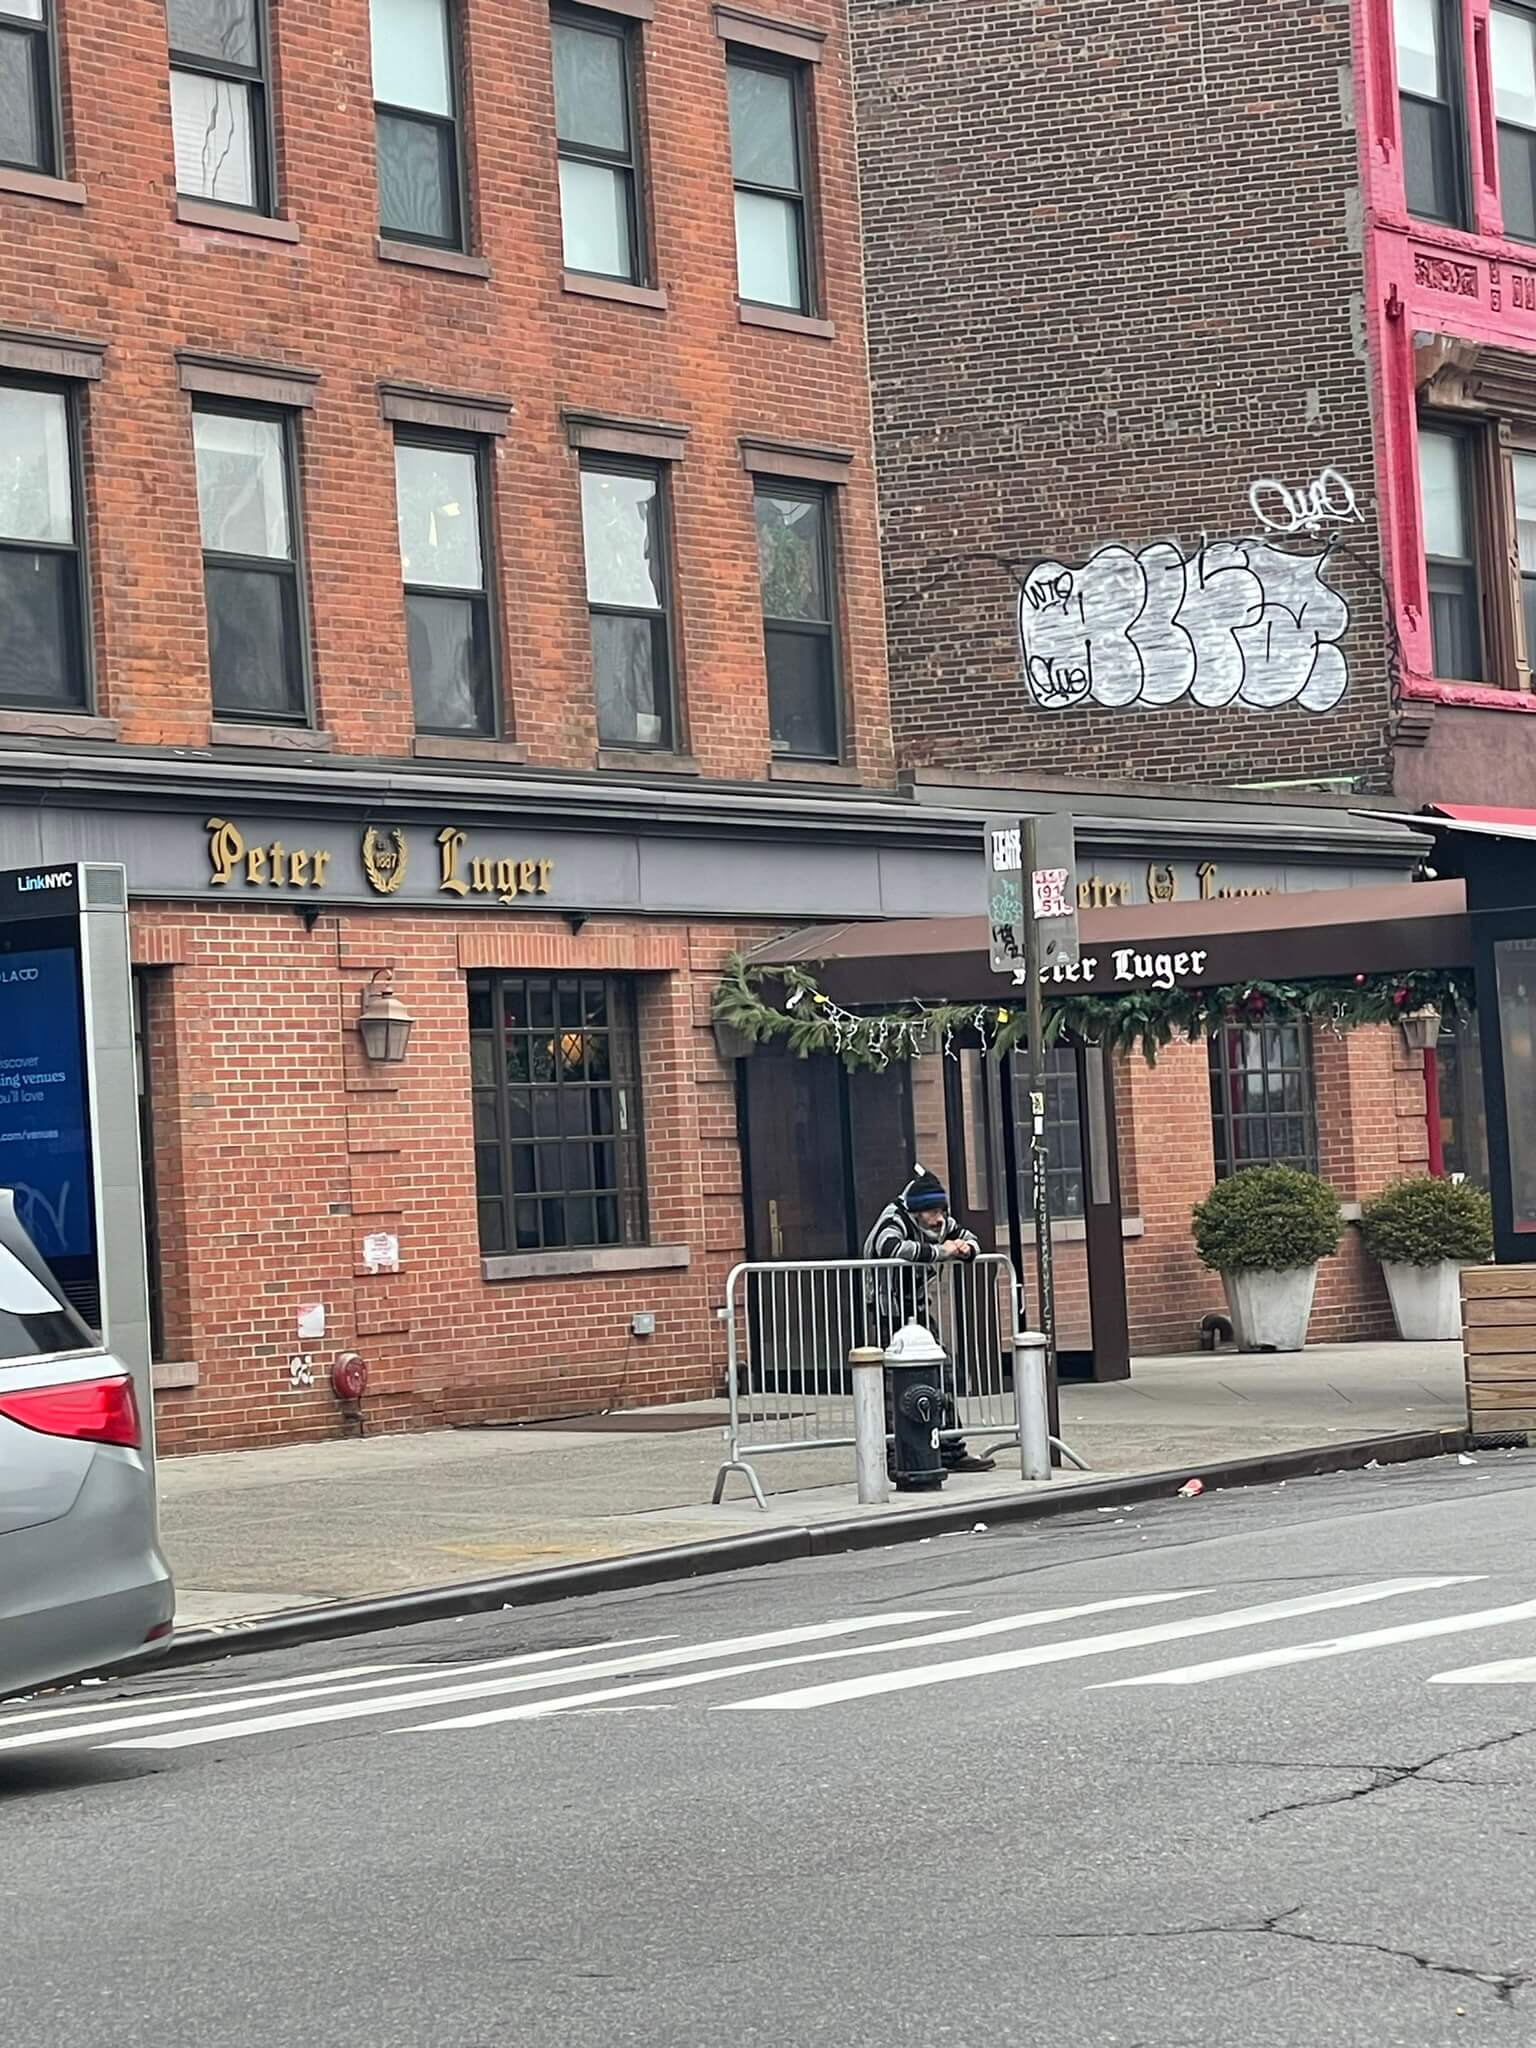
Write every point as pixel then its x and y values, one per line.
pixel 1236 622
pixel 1328 500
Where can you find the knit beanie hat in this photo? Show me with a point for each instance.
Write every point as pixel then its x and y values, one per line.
pixel 924 1191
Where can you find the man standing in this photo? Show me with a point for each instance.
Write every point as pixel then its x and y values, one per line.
pixel 918 1229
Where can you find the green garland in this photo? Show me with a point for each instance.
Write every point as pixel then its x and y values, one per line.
pixel 809 1021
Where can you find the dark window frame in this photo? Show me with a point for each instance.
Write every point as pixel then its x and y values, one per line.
pixel 1452 106
pixel 258 78
pixel 626 1133
pixel 1227 1072
pixel 84 647
pixel 45 86
pixel 474 445
pixel 627 35
pixel 824 495
pixel 743 57
pixel 1528 15
pixel 153 1259
pixel 300 650
pixel 459 241
pixel 1461 577
pixel 669 701
pixel 1063 1113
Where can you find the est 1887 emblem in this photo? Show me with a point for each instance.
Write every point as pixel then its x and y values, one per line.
pixel 384 859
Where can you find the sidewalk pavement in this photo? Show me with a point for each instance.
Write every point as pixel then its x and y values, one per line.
pixel 249 1532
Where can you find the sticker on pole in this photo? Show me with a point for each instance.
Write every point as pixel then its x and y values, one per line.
pixel 1049 886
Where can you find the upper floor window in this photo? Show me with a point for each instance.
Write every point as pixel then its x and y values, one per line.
pixel 623 518
pixel 1450 554
pixel 416 119
pixel 768 169
pixel 1263 1110
pixel 447 604
pixel 795 562
pixel 28 137
pixel 219 102
pixel 42 639
pixel 247 512
pixel 595 132
pixel 1512 43
pixel 1428 83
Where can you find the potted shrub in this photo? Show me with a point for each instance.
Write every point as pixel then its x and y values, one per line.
pixel 1264 1230
pixel 1424 1230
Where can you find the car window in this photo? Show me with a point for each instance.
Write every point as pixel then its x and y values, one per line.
pixel 33 1319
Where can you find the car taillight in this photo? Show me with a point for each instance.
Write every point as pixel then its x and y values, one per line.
pixel 96 1411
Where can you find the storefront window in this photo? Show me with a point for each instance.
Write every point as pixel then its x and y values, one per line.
pixel 1263 1111
pixel 1459 1103
pixel 1514 966
pixel 559 1159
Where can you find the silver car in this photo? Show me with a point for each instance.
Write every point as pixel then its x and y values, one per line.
pixel 83 1585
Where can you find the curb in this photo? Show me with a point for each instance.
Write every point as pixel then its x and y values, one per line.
pixel 296 1626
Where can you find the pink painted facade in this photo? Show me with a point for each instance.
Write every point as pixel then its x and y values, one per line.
pixel 1450 329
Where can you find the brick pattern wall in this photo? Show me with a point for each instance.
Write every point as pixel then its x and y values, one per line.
pixel 123 272
pixel 1371 1127
pixel 277 1148
pixel 1113 279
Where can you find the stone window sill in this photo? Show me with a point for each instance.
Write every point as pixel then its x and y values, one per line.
pixel 781 770
pixel 168 1377
pixel 1073 1230
pixel 653 1258
pixel 56 725
pixel 421 257
pixel 429 747
pixel 785 321
pixel 286 739
pixel 618 289
pixel 232 220
pixel 34 185
pixel 641 761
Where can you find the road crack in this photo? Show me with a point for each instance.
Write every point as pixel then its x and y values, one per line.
pixel 1387 1777
pixel 1502 1983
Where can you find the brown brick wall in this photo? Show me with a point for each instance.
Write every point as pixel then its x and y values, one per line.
pixel 1111 283
pixel 121 271
pixel 277 1147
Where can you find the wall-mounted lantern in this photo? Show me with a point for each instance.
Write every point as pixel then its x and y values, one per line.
pixel 1421 1031
pixel 385 1024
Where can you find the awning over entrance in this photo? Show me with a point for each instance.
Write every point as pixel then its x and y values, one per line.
pixel 1312 934
pixel 1497 821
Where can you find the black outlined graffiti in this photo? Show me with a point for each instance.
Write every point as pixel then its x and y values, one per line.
pixel 1329 500
pixel 1234 622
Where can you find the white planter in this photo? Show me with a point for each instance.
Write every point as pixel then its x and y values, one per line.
pixel 1426 1300
pixel 1270 1311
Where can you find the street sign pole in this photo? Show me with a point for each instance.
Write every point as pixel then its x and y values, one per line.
pixel 1049 878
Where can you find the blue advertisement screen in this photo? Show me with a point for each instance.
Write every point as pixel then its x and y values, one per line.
pixel 44 1140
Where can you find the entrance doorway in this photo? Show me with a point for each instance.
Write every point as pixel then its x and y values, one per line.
pixel 823 1151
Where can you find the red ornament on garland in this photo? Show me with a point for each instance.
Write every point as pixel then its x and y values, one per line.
pixel 1359 981
pixel 1253 1002
pixel 1399 996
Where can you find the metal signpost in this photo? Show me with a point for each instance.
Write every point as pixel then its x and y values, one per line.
pixel 1032 928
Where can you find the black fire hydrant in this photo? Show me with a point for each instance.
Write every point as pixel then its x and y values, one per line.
pixel 914 1365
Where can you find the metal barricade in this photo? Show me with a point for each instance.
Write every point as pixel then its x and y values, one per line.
pixel 791 1325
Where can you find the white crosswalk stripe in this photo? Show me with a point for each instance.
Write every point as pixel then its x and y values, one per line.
pixel 111 1700
pixel 347 1710
pixel 1332 1646
pixel 156 1715
pixel 998 1626
pixel 641 1674
pixel 874 1683
pixel 1512 1671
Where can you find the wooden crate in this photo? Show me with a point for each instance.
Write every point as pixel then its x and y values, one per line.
pixel 1498 1317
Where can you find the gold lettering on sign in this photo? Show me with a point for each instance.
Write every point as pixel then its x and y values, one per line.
pixel 1094 893
pixel 1162 884
pixel 384 859
pixel 269 867
pixel 506 880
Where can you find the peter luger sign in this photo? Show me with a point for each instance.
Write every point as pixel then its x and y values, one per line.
pixel 241 862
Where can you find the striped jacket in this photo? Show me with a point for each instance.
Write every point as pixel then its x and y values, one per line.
pixel 897 1298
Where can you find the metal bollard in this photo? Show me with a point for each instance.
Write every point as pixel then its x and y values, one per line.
pixel 867 1365
pixel 1030 1404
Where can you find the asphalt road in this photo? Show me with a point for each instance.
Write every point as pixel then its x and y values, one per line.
pixel 919 1803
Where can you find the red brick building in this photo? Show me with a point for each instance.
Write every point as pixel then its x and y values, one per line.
pixel 1151 312
pixel 438 549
